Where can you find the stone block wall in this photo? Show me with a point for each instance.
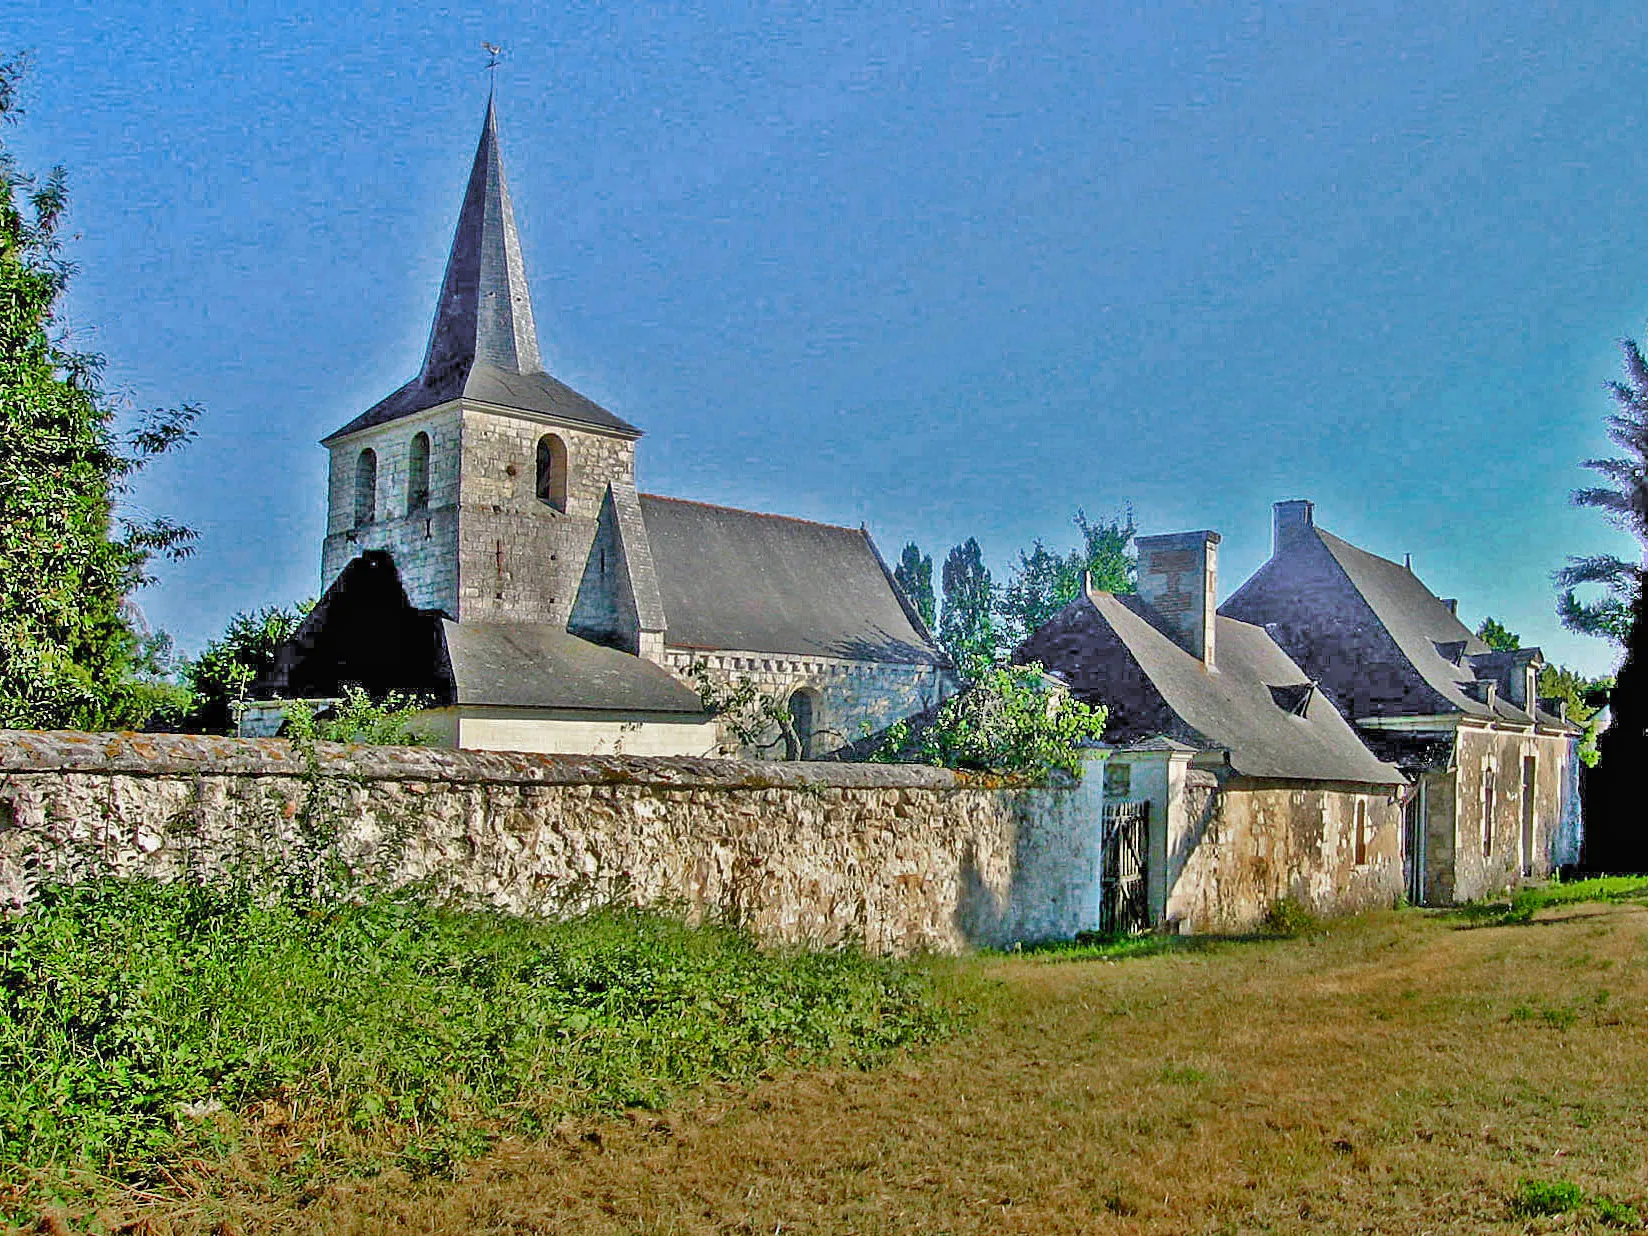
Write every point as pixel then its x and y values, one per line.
pixel 1482 755
pixel 424 542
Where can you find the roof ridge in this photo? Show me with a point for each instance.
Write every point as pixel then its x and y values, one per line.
pixel 739 510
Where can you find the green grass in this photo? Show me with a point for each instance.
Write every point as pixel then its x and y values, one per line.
pixel 141 1022
pixel 1544 1198
pixel 1527 902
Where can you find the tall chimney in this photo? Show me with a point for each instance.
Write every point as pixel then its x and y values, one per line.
pixel 1290 524
pixel 1178 578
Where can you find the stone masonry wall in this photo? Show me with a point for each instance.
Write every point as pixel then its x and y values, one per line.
pixel 902 858
pixel 425 542
pixel 850 698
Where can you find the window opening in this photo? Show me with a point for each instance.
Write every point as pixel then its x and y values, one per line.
pixel 1361 831
pixel 552 471
pixel 417 474
pixel 366 487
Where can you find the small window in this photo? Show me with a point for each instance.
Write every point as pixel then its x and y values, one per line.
pixel 417 474
pixel 552 471
pixel 1361 831
pixel 1487 812
pixel 366 487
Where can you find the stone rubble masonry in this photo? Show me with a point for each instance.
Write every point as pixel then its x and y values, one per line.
pixel 901 858
pixel 486 549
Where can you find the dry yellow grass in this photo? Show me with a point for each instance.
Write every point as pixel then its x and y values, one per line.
pixel 1402 1073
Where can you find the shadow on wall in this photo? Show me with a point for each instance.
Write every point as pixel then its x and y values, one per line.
pixel 981 912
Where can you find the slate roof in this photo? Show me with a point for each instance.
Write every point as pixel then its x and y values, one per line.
pixel 1439 646
pixel 738 580
pixel 483 345
pixel 534 665
pixel 1300 736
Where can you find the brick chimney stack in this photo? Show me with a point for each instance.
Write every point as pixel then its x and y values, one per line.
pixel 1290 524
pixel 1178 578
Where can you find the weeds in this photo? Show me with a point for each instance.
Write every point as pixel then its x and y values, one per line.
pixel 1544 1198
pixel 1290 919
pixel 141 1022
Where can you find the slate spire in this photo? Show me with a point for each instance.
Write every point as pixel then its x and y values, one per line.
pixel 485 310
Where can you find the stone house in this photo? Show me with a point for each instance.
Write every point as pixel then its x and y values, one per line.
pixel 496 509
pixel 1232 782
pixel 1495 772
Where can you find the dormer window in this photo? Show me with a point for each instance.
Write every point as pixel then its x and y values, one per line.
pixel 366 487
pixel 552 472
pixel 417 474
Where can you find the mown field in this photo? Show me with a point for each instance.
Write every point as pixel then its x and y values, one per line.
pixel 1409 1071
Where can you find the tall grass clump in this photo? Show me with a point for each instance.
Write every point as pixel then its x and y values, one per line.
pixel 141 1020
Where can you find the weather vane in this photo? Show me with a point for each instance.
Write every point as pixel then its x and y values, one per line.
pixel 494 51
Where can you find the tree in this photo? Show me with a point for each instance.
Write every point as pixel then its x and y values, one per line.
pixel 1615 836
pixel 226 668
pixel 1584 698
pixel 967 627
pixel 1013 719
pixel 69 555
pixel 1624 501
pixel 1498 636
pixel 1043 583
pixel 915 576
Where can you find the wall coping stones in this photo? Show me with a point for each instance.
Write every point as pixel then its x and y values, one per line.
pixel 171 755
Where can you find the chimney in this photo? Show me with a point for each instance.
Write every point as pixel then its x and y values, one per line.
pixel 1178 578
pixel 1290 524
pixel 1453 605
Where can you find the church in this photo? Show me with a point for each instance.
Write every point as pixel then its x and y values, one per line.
pixel 488 551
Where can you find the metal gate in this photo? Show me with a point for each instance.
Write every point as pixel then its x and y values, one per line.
pixel 1125 891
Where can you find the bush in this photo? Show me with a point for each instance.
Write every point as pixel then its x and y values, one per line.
pixel 358 718
pixel 1012 719
pixel 1289 918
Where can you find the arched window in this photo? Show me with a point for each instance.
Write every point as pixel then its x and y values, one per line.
pixel 366 487
pixel 801 720
pixel 417 474
pixel 552 471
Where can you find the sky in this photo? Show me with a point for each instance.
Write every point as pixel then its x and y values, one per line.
pixel 944 269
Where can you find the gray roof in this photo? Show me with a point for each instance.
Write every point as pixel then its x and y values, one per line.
pixel 534 665
pixel 484 342
pixel 1234 707
pixel 739 580
pixel 1443 650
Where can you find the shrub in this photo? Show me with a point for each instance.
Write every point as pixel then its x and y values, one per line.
pixel 1289 918
pixel 358 718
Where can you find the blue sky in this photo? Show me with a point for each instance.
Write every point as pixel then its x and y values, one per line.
pixel 947 269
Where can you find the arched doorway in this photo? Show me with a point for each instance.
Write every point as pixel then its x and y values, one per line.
pixel 803 711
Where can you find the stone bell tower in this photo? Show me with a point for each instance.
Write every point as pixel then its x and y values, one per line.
pixel 500 492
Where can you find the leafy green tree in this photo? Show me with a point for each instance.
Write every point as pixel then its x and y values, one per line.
pixel 1498 636
pixel 69 555
pixel 358 718
pixel 1013 719
pixel 1584 698
pixel 1043 582
pixel 226 668
pixel 915 575
pixel 967 626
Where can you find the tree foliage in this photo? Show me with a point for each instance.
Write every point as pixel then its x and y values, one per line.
pixel 760 720
pixel 915 575
pixel 1043 582
pixel 1012 719
pixel 1624 501
pixel 1498 636
pixel 358 718
pixel 967 625
pixel 226 668
pixel 69 552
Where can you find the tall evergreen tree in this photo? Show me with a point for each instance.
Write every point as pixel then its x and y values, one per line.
pixel 1496 635
pixel 966 626
pixel 915 575
pixel 69 656
pixel 1616 827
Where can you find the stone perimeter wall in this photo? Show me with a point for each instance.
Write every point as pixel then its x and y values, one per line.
pixel 901 858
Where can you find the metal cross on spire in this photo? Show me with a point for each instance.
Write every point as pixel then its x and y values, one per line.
pixel 494 51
